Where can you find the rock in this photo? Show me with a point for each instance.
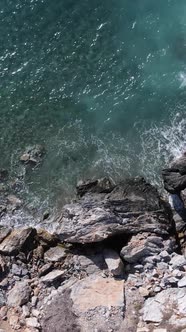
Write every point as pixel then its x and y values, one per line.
pixel 26 311
pixel 4 232
pixel 95 291
pixel 132 207
pixel 45 238
pixel 178 261
pixel 32 322
pixel 141 246
pixel 12 199
pixel 167 307
pixel 2 209
pixel 45 269
pixel 144 291
pixel 55 254
pixel 19 294
pixel 3 174
pixel 165 256
pixel 104 185
pixel 16 240
pixel 14 322
pixel 113 261
pixel 33 154
pixel 92 263
pixel 2 298
pixel 52 276
pixel 182 282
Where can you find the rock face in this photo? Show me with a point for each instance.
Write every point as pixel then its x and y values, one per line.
pixel 131 207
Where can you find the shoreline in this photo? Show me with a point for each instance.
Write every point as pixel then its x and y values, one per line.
pixel 114 262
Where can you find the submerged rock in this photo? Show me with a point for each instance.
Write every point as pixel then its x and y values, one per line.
pixel 131 207
pixel 33 154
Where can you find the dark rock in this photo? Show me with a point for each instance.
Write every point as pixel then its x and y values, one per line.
pixel 45 238
pixel 3 174
pixel 33 154
pixel 104 185
pixel 132 207
pixel 4 232
pixel 45 269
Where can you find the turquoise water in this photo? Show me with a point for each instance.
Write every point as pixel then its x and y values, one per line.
pixel 102 84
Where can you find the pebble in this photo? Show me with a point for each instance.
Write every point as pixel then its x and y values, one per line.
pixel 182 282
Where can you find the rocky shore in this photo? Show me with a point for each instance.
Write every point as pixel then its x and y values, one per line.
pixel 112 260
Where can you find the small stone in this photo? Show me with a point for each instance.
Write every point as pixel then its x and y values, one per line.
pixel 160 330
pixel 34 301
pixel 25 157
pixel 182 282
pixel 165 256
pixel 172 281
pixel 52 276
pixel 157 289
pixel 32 322
pixel 3 312
pixel 55 254
pixel 144 291
pixel 12 199
pixel 45 269
pixel 19 294
pixel 45 238
pixel 25 311
pixel 2 299
pixel 14 242
pixel 16 270
pixel 162 266
pixel 35 313
pixel 14 322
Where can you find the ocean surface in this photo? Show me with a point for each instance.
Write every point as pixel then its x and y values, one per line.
pixel 100 83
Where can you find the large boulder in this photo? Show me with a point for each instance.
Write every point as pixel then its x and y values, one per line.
pixel 131 207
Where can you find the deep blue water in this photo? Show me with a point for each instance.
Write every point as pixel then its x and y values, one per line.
pixel 102 84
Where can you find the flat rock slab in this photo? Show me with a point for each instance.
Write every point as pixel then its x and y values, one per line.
pixel 96 291
pixel 15 241
pixel 52 276
pixel 55 254
pixel 132 207
pixel 167 308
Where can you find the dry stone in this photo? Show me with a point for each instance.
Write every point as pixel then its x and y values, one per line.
pixel 19 294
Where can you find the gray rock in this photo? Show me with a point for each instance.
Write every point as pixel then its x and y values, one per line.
pixel 182 282
pixel 2 299
pixel 178 261
pixel 15 241
pixel 132 207
pixel 52 276
pixel 45 269
pixel 141 246
pixel 113 261
pixel 165 256
pixel 32 322
pixel 55 254
pixel 4 232
pixel 19 294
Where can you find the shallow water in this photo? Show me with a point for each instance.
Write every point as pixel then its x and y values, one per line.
pixel 100 83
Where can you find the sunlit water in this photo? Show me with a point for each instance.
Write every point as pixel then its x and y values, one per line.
pixel 102 84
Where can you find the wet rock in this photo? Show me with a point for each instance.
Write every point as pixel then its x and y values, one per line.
pixel 13 200
pixel 13 243
pixel 132 207
pixel 3 174
pixel 103 185
pixel 33 154
pixel 19 294
pixel 55 254
pixel 52 276
pixel 114 262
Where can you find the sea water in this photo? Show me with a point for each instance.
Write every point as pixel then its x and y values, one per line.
pixel 100 83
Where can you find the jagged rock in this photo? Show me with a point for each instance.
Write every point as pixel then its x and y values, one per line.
pixel 12 199
pixel 89 263
pixel 104 185
pixel 178 261
pixel 52 276
pixel 167 307
pixel 45 238
pixel 4 232
pixel 132 207
pixel 32 322
pixel 45 269
pixel 13 243
pixel 33 154
pixel 55 254
pixel 182 282
pixel 141 246
pixel 114 262
pixel 19 294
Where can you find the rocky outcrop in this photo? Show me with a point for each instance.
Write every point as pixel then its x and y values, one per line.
pixel 120 268
pixel 130 208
